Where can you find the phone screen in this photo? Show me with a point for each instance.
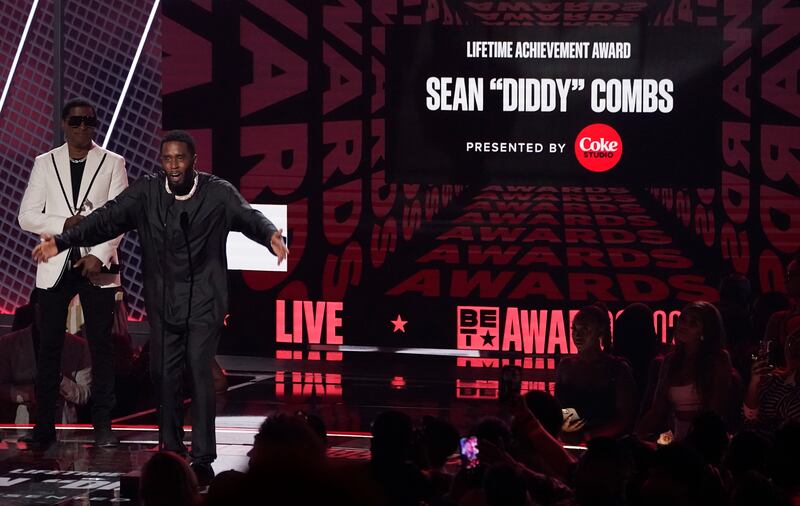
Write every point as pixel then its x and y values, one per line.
pixel 469 452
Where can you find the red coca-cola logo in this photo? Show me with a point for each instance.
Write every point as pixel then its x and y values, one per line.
pixel 598 147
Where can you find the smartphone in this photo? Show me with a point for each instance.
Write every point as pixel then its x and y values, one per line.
pixel 772 354
pixel 469 453
pixel 570 414
pixel 766 351
pixel 510 383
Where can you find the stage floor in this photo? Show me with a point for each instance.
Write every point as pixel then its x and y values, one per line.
pixel 347 389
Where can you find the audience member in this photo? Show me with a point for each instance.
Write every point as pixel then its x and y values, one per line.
pixel 696 377
pixel 694 388
pixel 285 441
pixel 401 481
pixel 754 488
pixel 595 384
pixel 602 474
pixel 679 477
pixel 504 485
pixel 547 410
pixel 167 480
pixel 287 464
pixel 439 440
pixel 734 308
pixel 636 341
pixel 708 435
pixel 783 464
pixel 228 487
pixel 773 395
pixel 784 323
pixel 18 370
pixel 747 452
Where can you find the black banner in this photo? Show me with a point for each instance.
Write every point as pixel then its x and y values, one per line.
pixel 599 105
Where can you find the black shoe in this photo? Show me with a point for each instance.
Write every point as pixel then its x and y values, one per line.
pixel 105 438
pixel 38 442
pixel 204 473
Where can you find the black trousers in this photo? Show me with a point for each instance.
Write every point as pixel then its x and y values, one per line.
pixel 195 348
pixel 98 311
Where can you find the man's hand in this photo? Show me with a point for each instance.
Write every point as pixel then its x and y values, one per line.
pixel 72 221
pixel 572 424
pixel 280 249
pixel 46 249
pixel 66 386
pixel 89 265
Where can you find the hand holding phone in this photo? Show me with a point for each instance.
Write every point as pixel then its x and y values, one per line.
pixel 572 421
pixel 759 369
pixel 763 359
pixel 766 351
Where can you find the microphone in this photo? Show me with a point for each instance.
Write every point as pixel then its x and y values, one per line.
pixel 170 203
pixel 185 227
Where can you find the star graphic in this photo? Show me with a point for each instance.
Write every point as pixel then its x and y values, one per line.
pixel 399 324
pixel 488 339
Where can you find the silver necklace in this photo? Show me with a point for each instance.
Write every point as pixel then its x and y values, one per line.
pixel 77 160
pixel 182 197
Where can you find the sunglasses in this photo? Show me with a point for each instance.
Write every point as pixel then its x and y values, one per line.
pixel 89 121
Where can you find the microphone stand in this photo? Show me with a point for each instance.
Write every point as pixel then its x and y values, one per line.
pixel 185 228
pixel 163 331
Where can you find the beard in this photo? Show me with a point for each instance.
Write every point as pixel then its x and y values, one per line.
pixel 185 186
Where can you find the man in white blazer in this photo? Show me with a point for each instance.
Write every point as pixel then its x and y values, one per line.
pixel 65 185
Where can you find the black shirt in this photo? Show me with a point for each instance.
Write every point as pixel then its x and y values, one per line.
pixel 190 264
pixel 76 170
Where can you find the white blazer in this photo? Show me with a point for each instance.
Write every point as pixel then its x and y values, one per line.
pixel 46 206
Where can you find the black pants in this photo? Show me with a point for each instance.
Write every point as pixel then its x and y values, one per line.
pixel 195 348
pixel 98 311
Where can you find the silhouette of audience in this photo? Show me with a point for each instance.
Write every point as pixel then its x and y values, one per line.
pixel 18 370
pixel 167 480
pixel 522 458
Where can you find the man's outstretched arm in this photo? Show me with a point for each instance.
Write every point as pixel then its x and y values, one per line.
pixel 254 224
pixel 116 217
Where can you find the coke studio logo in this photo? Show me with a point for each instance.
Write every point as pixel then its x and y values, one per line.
pixel 598 147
